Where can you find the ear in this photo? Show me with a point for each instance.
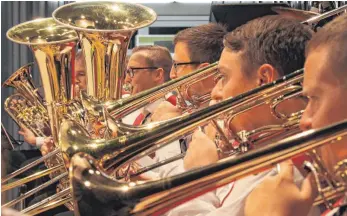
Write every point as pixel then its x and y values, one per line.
pixel 159 75
pixel 202 65
pixel 266 73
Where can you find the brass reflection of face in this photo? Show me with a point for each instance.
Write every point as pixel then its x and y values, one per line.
pixel 81 78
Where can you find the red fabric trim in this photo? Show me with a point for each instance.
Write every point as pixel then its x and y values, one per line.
pixel 337 204
pixel 172 99
pixel 232 187
pixel 300 159
pixel 139 119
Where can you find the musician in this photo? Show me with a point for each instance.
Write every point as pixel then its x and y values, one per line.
pixel 45 144
pixel 256 53
pixel 325 86
pixel 148 67
pixel 195 48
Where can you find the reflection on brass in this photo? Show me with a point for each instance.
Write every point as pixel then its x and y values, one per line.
pixel 91 187
pixel 105 30
pixel 53 46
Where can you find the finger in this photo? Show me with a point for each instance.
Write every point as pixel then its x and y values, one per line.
pixel 308 188
pixel 287 170
pixel 21 133
pixel 197 133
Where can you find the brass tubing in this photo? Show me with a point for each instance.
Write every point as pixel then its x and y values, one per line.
pixel 31 209
pixel 31 165
pixel 34 190
pixel 31 177
pixel 51 205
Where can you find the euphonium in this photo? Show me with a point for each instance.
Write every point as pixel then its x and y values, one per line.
pixel 53 46
pixel 26 106
pixel 96 193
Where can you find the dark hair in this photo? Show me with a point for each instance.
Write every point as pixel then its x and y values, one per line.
pixel 205 42
pixel 333 36
pixel 273 40
pixel 157 56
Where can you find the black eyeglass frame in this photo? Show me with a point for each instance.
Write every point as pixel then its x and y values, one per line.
pixel 131 73
pixel 176 64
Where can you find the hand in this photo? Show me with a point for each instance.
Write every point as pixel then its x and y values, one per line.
pixel 201 151
pixel 29 136
pixel 279 196
pixel 165 111
pixel 10 212
pixel 47 146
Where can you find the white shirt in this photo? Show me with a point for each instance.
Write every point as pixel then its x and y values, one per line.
pixel 161 154
pixel 229 199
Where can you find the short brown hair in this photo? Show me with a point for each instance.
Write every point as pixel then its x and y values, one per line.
pixel 157 56
pixel 333 36
pixel 273 40
pixel 205 42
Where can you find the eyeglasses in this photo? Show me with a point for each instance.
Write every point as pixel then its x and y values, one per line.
pixel 176 64
pixel 131 71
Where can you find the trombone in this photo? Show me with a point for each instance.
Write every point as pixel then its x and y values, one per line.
pixel 94 192
pixel 127 148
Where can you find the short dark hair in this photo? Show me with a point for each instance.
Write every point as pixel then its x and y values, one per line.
pixel 273 40
pixel 157 56
pixel 205 42
pixel 333 36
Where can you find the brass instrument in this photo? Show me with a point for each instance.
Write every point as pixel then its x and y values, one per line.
pixel 105 40
pixel 122 107
pixel 124 149
pixel 104 44
pixel 26 106
pixel 53 46
pixel 94 192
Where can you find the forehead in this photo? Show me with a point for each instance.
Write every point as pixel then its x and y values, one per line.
pixel 138 59
pixel 230 59
pixel 318 72
pixel 181 52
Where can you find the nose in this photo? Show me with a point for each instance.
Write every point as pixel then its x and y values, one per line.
pixel 173 74
pixel 127 78
pixel 216 93
pixel 306 121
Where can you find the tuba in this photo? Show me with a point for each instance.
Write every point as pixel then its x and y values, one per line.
pixel 104 43
pixel 53 47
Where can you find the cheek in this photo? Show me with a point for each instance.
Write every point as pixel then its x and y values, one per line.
pixel 332 110
pixel 235 87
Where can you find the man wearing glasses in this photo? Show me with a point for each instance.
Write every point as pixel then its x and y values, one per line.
pixel 148 66
pixel 195 48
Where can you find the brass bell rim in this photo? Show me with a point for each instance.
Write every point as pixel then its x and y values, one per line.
pixel 14 75
pixel 150 10
pixel 11 30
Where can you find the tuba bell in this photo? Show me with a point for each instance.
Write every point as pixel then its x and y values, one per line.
pixel 53 42
pixel 54 47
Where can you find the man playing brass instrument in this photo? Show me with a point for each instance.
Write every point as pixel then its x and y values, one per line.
pixel 195 48
pixel 256 53
pixel 325 86
pixel 148 67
